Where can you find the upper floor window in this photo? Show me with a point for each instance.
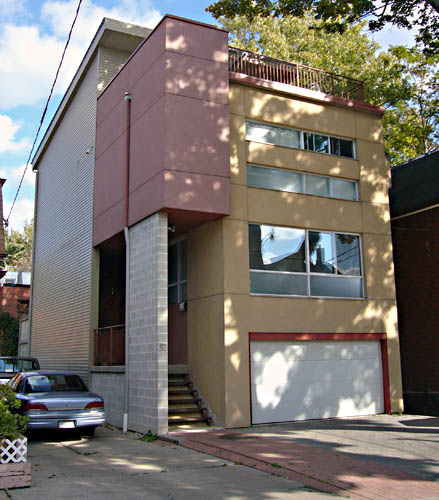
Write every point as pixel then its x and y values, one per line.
pixel 177 274
pixel 291 261
pixel 298 182
pixel 291 138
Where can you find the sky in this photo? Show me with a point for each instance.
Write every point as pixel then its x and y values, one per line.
pixel 32 38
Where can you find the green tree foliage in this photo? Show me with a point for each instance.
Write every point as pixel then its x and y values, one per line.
pixel 404 81
pixel 12 425
pixel 19 248
pixel 411 125
pixel 339 15
pixel 8 334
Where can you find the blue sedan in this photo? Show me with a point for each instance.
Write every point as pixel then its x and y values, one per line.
pixel 58 400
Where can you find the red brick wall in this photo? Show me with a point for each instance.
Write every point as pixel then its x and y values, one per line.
pixel 9 295
pixel 416 255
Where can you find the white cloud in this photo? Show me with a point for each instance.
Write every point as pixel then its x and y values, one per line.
pixel 8 129
pixel 11 8
pixel 13 176
pixel 29 57
pixel 23 212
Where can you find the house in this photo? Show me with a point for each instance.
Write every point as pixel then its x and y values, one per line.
pixel 414 208
pixel 218 213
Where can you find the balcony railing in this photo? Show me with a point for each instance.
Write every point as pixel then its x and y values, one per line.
pixel 109 346
pixel 275 70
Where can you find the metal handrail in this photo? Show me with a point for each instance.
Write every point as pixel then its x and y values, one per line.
pixel 290 73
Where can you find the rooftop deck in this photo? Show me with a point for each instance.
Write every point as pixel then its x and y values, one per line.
pixel 289 73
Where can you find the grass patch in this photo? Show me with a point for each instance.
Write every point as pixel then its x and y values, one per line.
pixel 149 437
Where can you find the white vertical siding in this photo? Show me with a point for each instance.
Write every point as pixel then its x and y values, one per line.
pixel 62 271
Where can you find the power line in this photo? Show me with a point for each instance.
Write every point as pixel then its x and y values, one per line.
pixel 44 113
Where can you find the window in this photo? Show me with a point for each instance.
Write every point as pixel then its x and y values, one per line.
pixel 177 257
pixel 289 261
pixel 298 182
pixel 291 138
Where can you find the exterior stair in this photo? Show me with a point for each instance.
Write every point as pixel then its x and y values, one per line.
pixel 185 407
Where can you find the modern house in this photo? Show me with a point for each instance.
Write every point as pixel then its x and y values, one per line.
pixel 213 212
pixel 414 208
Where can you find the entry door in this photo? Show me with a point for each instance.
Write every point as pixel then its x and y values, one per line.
pixel 177 316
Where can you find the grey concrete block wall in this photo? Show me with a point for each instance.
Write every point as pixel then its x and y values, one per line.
pixel 148 322
pixel 110 385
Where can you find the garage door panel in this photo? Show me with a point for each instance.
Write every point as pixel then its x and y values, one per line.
pixel 305 380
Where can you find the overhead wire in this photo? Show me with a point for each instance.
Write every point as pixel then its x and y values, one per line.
pixel 6 221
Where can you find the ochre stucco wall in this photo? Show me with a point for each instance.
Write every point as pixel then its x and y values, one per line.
pixel 244 313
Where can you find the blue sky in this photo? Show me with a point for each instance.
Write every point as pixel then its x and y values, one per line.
pixel 32 37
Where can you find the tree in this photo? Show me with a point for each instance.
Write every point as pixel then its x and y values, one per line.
pixel 338 16
pixel 19 248
pixel 404 81
pixel 8 335
pixel 411 125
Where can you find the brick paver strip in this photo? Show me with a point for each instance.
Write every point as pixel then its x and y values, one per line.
pixel 318 468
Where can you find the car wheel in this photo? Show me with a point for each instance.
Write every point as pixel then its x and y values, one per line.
pixel 88 431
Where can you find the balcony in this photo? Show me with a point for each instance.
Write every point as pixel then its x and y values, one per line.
pixel 109 346
pixel 275 70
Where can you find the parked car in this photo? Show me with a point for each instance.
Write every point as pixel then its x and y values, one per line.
pixel 11 365
pixel 58 400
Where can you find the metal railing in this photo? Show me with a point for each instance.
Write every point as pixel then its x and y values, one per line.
pixel 109 346
pixel 275 70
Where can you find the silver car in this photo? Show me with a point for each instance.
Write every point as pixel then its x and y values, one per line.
pixel 58 400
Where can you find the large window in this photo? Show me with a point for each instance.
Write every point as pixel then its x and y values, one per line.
pixel 298 182
pixel 291 138
pixel 289 261
pixel 177 257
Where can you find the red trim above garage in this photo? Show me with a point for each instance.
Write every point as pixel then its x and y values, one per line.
pixel 316 336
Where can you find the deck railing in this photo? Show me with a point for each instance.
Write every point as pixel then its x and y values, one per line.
pixel 275 70
pixel 109 346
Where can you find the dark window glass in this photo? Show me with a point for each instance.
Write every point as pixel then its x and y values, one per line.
pixel 348 254
pixel 173 264
pixel 342 147
pixel 321 143
pixel 321 252
pixel 54 383
pixel 279 284
pixel 295 262
pixel 308 141
pixel 336 286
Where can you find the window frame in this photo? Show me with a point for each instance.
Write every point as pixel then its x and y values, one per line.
pixel 303 176
pixel 179 242
pixel 308 273
pixel 302 139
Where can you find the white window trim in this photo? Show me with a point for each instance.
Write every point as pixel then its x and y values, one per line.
pixel 302 140
pixel 302 182
pixel 308 272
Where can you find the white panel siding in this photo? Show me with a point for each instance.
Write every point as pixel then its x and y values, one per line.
pixel 314 379
pixel 110 62
pixel 62 273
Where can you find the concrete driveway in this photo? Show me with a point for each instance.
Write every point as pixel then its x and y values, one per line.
pixel 114 466
pixel 379 457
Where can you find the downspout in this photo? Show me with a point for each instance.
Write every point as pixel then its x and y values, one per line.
pixel 127 258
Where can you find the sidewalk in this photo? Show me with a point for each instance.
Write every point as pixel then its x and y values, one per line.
pixel 376 458
pixel 113 466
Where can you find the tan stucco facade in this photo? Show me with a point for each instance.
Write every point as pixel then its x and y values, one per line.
pixel 218 253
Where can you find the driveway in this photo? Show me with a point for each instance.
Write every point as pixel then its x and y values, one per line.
pixel 115 466
pixel 379 457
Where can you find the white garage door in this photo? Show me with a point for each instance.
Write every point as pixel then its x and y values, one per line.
pixel 300 380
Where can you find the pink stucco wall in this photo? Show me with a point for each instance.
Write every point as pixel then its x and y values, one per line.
pixel 179 155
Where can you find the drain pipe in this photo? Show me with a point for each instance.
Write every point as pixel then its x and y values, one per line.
pixel 127 259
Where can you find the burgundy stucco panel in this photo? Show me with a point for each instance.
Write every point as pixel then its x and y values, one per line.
pixel 196 40
pixel 179 134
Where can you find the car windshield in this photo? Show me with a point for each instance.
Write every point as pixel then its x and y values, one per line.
pixel 54 383
pixel 17 365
